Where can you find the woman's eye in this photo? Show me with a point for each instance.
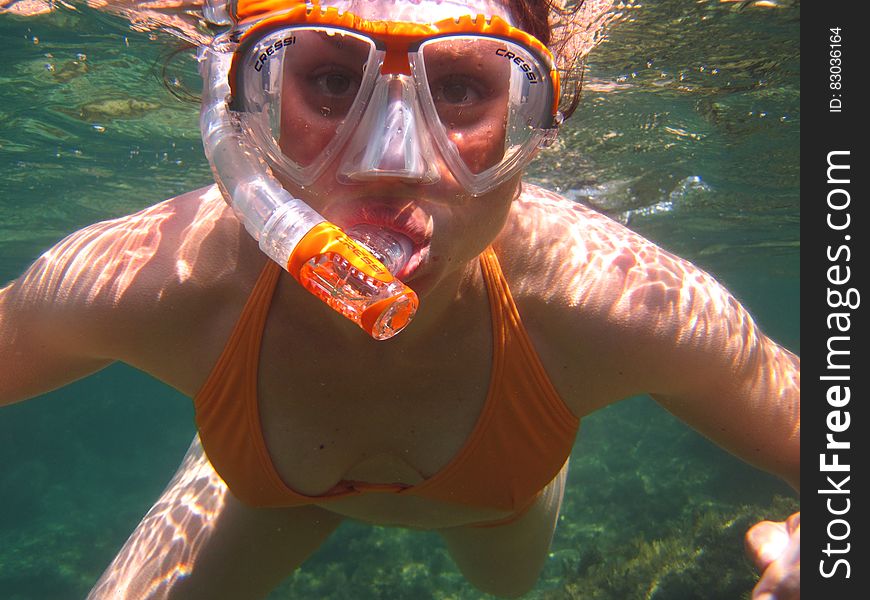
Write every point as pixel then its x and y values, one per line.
pixel 457 90
pixel 336 84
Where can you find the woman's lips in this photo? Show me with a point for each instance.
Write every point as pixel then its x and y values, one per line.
pixel 406 219
pixel 417 258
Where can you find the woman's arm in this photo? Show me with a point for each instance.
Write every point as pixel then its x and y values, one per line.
pixel 711 366
pixel 85 302
pixel 720 374
pixel 57 319
pixel 704 359
pixel 633 318
pixel 43 344
pixel 131 289
pixel 653 323
pixel 742 390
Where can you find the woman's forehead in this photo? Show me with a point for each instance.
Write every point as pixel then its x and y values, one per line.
pixel 420 11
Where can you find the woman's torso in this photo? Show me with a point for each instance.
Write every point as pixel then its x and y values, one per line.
pixel 344 407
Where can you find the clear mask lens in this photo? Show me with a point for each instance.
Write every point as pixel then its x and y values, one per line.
pixel 490 101
pixel 299 89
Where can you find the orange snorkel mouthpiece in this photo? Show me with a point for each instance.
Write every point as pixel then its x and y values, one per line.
pixel 352 281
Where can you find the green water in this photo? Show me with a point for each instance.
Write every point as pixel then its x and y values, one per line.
pixel 688 131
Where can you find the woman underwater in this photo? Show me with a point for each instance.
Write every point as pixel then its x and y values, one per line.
pixel 406 123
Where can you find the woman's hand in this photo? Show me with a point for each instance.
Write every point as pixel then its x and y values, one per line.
pixel 775 548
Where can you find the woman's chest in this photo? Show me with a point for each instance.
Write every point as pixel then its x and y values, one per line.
pixel 380 418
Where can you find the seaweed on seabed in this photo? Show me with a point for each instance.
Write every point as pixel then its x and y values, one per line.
pixel 700 559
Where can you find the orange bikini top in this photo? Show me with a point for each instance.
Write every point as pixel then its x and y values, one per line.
pixel 520 442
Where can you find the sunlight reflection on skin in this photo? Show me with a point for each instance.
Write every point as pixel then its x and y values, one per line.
pixel 99 261
pixel 111 277
pixel 210 209
pixel 26 8
pixel 599 265
pixel 162 549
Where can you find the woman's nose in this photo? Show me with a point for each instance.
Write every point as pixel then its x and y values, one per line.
pixel 392 140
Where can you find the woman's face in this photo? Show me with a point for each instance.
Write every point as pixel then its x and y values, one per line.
pixel 446 224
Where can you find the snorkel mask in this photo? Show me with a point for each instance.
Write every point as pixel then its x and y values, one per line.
pixel 382 91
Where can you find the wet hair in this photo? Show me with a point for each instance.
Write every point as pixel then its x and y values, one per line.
pixel 168 74
pixel 533 16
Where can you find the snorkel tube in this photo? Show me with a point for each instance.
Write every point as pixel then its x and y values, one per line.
pixel 352 276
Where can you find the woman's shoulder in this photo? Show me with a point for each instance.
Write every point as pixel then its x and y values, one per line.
pixel 168 254
pixel 539 211
pixel 202 243
pixel 552 245
pixel 186 239
pixel 564 253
